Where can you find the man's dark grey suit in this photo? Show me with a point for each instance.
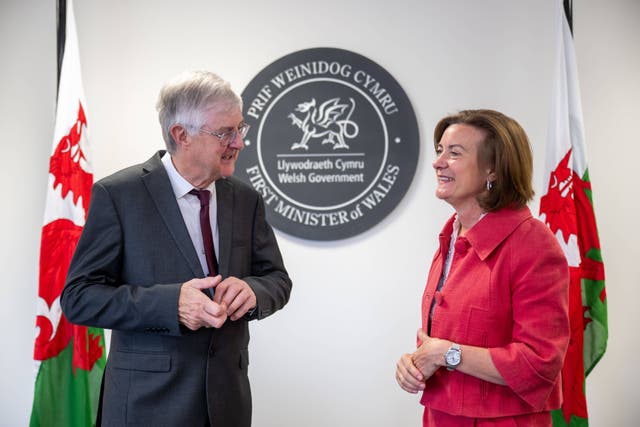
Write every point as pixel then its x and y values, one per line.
pixel 134 254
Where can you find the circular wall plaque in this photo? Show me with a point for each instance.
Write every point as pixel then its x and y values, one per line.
pixel 333 144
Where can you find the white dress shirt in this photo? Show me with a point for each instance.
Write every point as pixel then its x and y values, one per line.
pixel 190 208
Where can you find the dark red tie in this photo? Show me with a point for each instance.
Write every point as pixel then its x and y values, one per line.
pixel 205 227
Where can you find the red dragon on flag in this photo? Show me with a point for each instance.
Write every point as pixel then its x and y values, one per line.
pixel 568 211
pixel 59 240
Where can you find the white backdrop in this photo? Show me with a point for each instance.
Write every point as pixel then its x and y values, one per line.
pixel 328 358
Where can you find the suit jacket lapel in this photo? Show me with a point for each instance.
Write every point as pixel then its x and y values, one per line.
pixel 224 197
pixel 157 182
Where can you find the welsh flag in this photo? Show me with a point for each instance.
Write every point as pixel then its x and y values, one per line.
pixel 69 359
pixel 567 208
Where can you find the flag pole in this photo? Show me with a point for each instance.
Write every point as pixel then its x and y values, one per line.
pixel 568 12
pixel 61 6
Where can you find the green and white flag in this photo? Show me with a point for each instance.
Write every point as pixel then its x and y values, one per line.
pixel 69 359
pixel 567 208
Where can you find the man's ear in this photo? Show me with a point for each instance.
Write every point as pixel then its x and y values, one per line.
pixel 179 135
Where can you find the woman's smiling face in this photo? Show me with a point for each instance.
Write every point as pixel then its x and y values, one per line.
pixel 460 178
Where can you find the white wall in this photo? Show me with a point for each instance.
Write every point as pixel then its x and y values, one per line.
pixel 328 358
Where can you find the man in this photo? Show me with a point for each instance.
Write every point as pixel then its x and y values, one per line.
pixel 142 268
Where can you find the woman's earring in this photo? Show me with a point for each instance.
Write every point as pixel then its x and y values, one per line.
pixel 489 185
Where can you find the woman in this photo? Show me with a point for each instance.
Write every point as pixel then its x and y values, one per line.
pixel 495 324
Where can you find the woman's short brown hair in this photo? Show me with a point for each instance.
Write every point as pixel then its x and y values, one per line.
pixel 505 150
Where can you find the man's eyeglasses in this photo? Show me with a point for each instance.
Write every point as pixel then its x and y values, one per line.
pixel 227 138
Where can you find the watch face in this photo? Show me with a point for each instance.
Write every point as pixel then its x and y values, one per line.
pixel 452 357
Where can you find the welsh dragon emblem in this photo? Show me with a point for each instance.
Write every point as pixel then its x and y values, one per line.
pixel 71 176
pixel 326 121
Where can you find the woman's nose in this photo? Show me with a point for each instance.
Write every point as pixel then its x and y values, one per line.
pixel 439 162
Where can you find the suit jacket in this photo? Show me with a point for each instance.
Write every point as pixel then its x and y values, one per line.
pixel 507 291
pixel 131 260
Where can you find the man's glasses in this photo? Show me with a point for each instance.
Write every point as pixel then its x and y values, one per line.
pixel 227 138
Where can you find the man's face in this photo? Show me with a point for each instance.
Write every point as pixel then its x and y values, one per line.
pixel 209 156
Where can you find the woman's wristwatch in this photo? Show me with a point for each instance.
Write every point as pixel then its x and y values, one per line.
pixel 453 357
